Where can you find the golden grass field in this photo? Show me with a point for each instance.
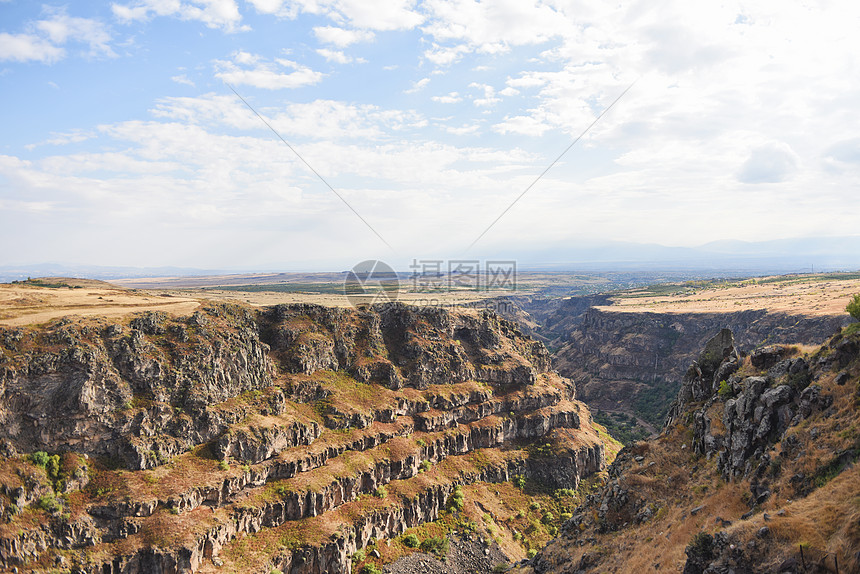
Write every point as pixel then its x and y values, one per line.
pixel 796 295
pixel 28 303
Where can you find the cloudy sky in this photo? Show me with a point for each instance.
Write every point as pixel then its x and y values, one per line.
pixel 123 143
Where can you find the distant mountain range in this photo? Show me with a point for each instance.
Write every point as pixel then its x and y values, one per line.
pixel 775 256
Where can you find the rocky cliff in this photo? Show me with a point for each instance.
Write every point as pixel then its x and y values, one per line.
pixel 633 361
pixel 754 472
pixel 286 438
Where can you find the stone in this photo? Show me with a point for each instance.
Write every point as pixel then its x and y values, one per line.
pixel 767 357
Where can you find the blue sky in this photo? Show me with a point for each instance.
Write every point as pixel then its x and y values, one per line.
pixel 123 145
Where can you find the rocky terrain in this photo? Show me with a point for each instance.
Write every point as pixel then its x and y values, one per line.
pixel 755 472
pixel 633 361
pixel 296 438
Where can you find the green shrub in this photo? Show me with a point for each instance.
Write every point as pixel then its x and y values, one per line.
pixel 411 541
pixel 531 553
pixel 519 482
pixel 370 569
pixel 457 500
pixel 547 518
pixel 424 466
pixel 535 505
pixel 420 442
pixel 40 458
pixel 726 390
pixel 223 465
pixel 49 503
pixel 358 556
pixel 437 545
pixel 380 492
pixel 853 307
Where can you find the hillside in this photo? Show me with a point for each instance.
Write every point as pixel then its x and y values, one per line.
pixel 628 350
pixel 755 472
pixel 298 438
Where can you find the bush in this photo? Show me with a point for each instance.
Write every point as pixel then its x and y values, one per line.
pixel 701 547
pixel 531 553
pixel 223 465
pixel 457 500
pixel 358 556
pixel 380 492
pixel 424 466
pixel 370 569
pixel 411 541
pixel 437 545
pixel 726 390
pixel 547 518
pixel 519 482
pixel 49 503
pixel 40 458
pixel 853 307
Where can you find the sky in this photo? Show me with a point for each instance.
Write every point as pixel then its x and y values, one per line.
pixel 123 143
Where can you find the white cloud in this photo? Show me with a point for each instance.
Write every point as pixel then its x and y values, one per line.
pixel 489 98
pixel 182 79
pixel 462 26
pixel 463 130
pixel 253 70
pixel 451 98
pixel 770 163
pixel 445 55
pixel 45 40
pixel 341 37
pixel 222 14
pixel 359 14
pixel 319 119
pixel 524 125
pixel 338 56
pixel 28 47
pixel 418 86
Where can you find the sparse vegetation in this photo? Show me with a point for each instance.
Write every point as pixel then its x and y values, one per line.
pixel 437 545
pixel 853 307
pixel 411 541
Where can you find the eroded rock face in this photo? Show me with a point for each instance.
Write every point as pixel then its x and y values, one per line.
pixel 149 389
pixel 398 345
pixel 614 353
pixel 736 419
pixel 139 392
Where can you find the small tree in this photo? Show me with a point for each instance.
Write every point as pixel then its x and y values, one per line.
pixel 853 307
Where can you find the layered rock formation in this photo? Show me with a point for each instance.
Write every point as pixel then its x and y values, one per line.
pixel 754 472
pixel 286 438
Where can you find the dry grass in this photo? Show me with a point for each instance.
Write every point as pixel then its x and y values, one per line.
pixel 808 295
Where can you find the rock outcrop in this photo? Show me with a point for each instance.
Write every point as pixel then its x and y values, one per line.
pixel 195 435
pixel 633 361
pixel 759 452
